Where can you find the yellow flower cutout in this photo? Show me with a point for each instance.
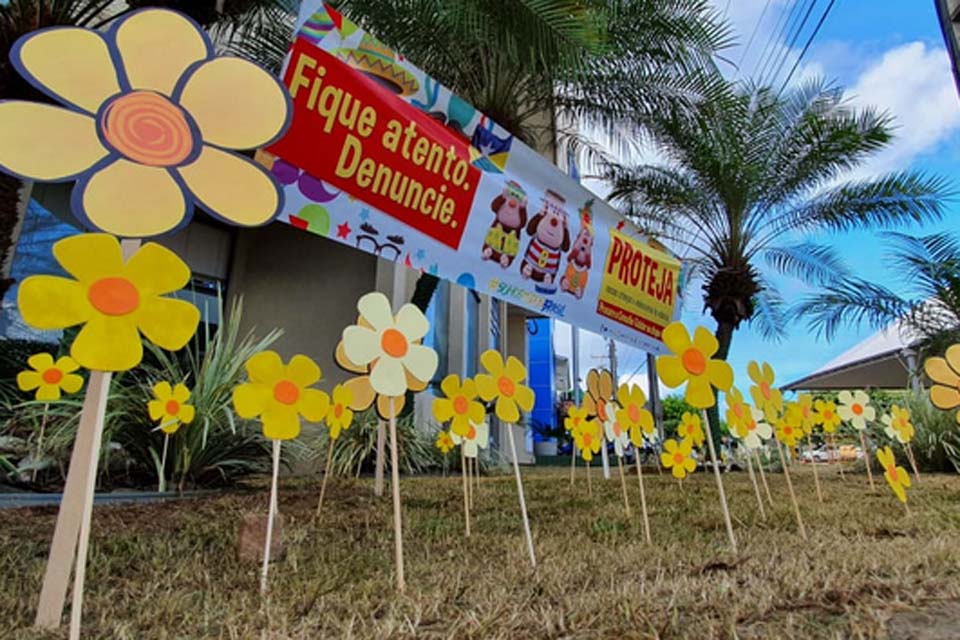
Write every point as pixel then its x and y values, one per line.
pixel 855 408
pixel 504 381
pixel 599 392
pixel 588 438
pixel 476 438
pixel 616 432
pixel 114 300
pixel 169 406
pixel 460 406
pixel 898 424
pixel 678 458
pixel 752 429
pixel 149 114
pixel 690 429
pixel 386 351
pixel 633 414
pixel 825 414
pixel 691 362
pixel 339 415
pixel 280 394
pixel 50 378
pixel 765 396
pixel 945 375
pixel 575 417
pixel 897 477
pixel 738 411
pixel 444 442
pixel 801 412
pixel 789 432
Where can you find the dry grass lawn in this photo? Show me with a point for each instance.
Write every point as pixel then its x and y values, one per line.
pixel 171 571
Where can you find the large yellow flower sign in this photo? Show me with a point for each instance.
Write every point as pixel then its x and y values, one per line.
pixel 691 362
pixel 148 116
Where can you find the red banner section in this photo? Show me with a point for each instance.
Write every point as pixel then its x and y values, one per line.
pixel 356 134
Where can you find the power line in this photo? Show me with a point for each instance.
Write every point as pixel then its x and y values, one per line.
pixel 793 41
pixel 760 67
pixel 778 55
pixel 753 34
pixel 806 46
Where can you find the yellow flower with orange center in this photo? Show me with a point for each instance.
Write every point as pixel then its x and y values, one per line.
pixel 146 126
pixel 765 396
pixel 169 406
pixel 444 442
pixel 945 375
pixel 587 438
pixel 575 417
pixel 460 406
pixel 599 392
pixel 477 437
pixel 50 378
pixel 825 414
pixel 691 363
pixel 752 430
pixel 279 394
pixel 737 409
pixel 898 424
pixel 897 477
pixel 339 415
pixel 114 299
pixel 690 429
pixel 678 458
pixel 788 432
pixel 505 382
pixel 616 432
pixel 801 412
pixel 633 413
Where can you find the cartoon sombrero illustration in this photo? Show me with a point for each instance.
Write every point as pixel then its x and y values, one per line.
pixel 379 62
pixel 322 22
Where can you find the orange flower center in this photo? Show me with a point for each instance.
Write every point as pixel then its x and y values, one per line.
pixel 828 414
pixel 787 430
pixel 693 361
pixel 460 405
pixel 506 386
pixel 765 389
pixel 286 392
pixel 634 412
pixel 857 408
pixel 678 458
pixel 576 422
pixel 892 471
pixel 472 433
pixel 805 411
pixel 337 410
pixel 738 410
pixel 616 429
pixel 394 343
pixel 172 407
pixel 52 376
pixel 902 422
pixel 751 425
pixel 147 128
pixel 587 440
pixel 114 296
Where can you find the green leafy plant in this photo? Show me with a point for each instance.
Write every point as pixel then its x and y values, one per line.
pixel 355 450
pixel 936 443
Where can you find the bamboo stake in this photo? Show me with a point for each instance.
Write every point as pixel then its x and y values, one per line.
pixel 833 445
pixel 793 496
pixel 589 481
pixel 716 474
pixel 466 489
pixel 816 474
pixel 326 474
pixel 623 486
pixel 523 502
pixel 381 458
pixel 162 483
pixel 763 477
pixel 573 462
pixel 264 570
pixel 866 458
pixel 643 500
pixel 395 481
pixel 913 462
pixel 756 487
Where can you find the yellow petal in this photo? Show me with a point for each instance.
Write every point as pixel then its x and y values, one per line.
pixel 181 393
pixel 313 405
pixel 28 380
pixel 265 367
pixel 50 302
pixel 676 338
pixel 232 188
pixel 507 410
pixel 953 357
pixel 525 397
pixel 720 374
pixel 163 391
pixel 486 387
pixel 67 364
pixel 280 422
pixel 671 371
pixel 442 408
pixel 450 385
pixel 70 64
pixel 699 393
pixel 938 370
pixel 71 383
pixel 170 427
pixel 89 256
pixel 157 46
pixel 361 392
pixel 156 270
pixel 40 361
pixel 48 392
pixel 167 322
pixel 515 369
pixel 666 460
pixel 108 343
pixel 251 399
pixel 944 397
pixel 476 412
pixel 384 406
pixel 156 409
pixel 254 121
pixel 705 341
pixel 43 142
pixel 492 362
pixel 187 413
pixel 606 384
pixel 303 371
pixel 131 200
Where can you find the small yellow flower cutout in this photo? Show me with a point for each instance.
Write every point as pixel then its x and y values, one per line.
pixel 752 429
pixel 765 396
pixel 898 425
pixel 855 408
pixel 678 458
pixel 575 417
pixel 599 392
pixel 737 410
pixel 788 432
pixel 945 374
pixel 897 477
pixel 616 431
pixel 280 394
pixel 339 415
pixel 50 378
pixel 505 382
pixel 588 438
pixel 633 413
pixel 444 442
pixel 801 412
pixel 691 362
pixel 477 437
pixel 169 406
pixel 690 429
pixel 145 125
pixel 459 406
pixel 825 414
pixel 115 300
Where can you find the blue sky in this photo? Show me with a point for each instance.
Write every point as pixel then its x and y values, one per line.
pixel 886 53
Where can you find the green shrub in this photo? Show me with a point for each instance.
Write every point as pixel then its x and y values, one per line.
pixel 936 445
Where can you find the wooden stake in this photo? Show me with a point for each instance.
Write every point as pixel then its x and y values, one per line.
pixel 466 490
pixel 381 458
pixel 643 499
pixel 589 481
pixel 756 487
pixel 326 474
pixel 623 486
pixel 833 445
pixel 162 483
pixel 763 477
pixel 271 513
pixel 913 462
pixel 716 474
pixel 816 474
pixel 395 481
pixel 573 462
pixel 866 458
pixel 793 496
pixel 523 502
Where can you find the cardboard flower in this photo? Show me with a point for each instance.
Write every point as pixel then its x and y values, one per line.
pixel 169 406
pixel 505 383
pixel 444 442
pixel 801 412
pixel 460 406
pixel 788 432
pixel 50 378
pixel 691 362
pixel 855 408
pixel 825 414
pixel 737 410
pixel 945 375
pixel 575 417
pixel 476 438
pixel 690 429
pixel 280 394
pixel 588 438
pixel 615 431
pixel 765 396
pixel 897 477
pixel 149 113
pixel 115 301
pixel 599 392
pixel 677 458
pixel 633 414
pixel 898 425
pixel 752 429
pixel 386 351
pixel 339 415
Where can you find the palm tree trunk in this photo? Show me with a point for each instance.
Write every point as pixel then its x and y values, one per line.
pixel 724 335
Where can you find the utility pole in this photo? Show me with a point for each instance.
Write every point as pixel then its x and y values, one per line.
pixel 656 408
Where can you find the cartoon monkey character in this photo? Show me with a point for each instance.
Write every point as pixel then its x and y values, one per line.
pixel 551 237
pixel 580 258
pixel 502 242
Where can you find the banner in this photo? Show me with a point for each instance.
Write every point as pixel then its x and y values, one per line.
pixel 382 158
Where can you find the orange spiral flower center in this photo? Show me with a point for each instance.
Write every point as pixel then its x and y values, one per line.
pixel 393 343
pixel 286 392
pixel 634 412
pixel 147 128
pixel 857 409
pixel 460 405
pixel 114 296
pixel 506 386
pixel 173 407
pixel 678 458
pixel 52 376
pixel 694 361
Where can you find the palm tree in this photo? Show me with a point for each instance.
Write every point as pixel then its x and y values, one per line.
pixel 928 265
